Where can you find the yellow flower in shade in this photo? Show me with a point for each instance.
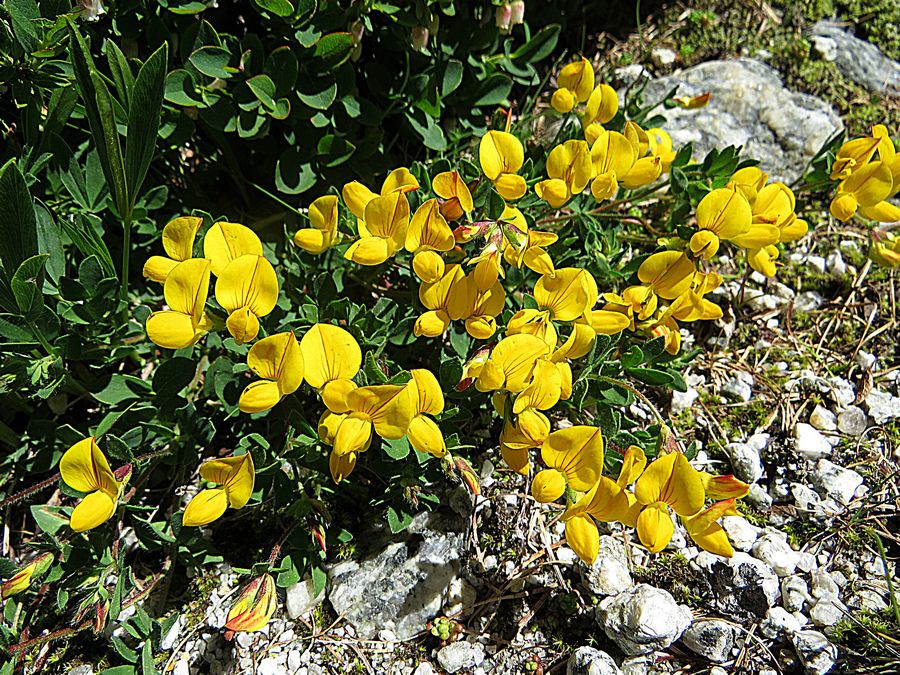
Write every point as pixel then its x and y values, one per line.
pixel 226 242
pixel 323 216
pixel 254 606
pixel 864 189
pixel 884 249
pixel 661 146
pixel 429 233
pixel 723 214
pixel 385 409
pixel 501 155
pixel 530 430
pixel 247 289
pixel 22 579
pixel 613 156
pixel 83 467
pixel 186 321
pixel 436 299
pixel 575 84
pixel 669 481
pixel 668 273
pixel 569 168
pixel 853 155
pixel 602 105
pixel 605 502
pixel 452 189
pixel 427 399
pixel 511 364
pixel 235 477
pixel 568 294
pixel 178 242
pixel 278 360
pixel 384 231
pixel 477 308
pixel 574 457
pixel 331 359
pixel 705 530
pixel 749 180
pixel 340 466
pixel 637 303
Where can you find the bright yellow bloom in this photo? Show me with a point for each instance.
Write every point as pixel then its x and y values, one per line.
pixel 186 321
pixel 568 294
pixel 383 232
pixel 576 82
pixel 511 364
pixel 254 607
pixel 533 322
pixel 278 360
pixel 723 214
pixel 226 242
pixel 22 579
pixel 884 249
pixel 428 233
pixel 427 399
pixel 669 481
pixel 501 155
pixel 385 409
pixel 531 251
pixel 574 457
pixel 331 359
pixel 569 168
pixel 84 468
pixel 705 530
pixel 637 303
pixel 749 180
pixel 668 273
pixel 544 390
pixel 452 189
pixel 613 156
pixel 661 146
pixel 853 155
pixel 605 502
pixel 340 466
pixel 323 216
pixel 477 308
pixel 644 171
pixel 723 487
pixel 763 259
pixel 436 299
pixel 247 289
pixel 235 476
pixel 178 242
pixel 866 187
pixel 601 107
pixel 530 431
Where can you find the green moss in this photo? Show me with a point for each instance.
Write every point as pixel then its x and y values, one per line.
pixel 867 634
pixel 674 573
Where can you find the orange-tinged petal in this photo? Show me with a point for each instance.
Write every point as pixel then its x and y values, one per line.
pixel 254 607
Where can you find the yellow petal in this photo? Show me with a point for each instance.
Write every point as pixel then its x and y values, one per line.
pixel 669 272
pixel 259 396
pixel 254 607
pixel 606 502
pixel 604 186
pixel 173 330
pixel 178 237
pixel 583 538
pixel 157 268
pixel 243 325
pixel 425 436
pixel 544 390
pixel 341 466
pixel 356 197
pixel 514 358
pixel 205 507
pixel 577 77
pixel 613 152
pixel 429 228
pixel 602 105
pixel 399 180
pixel 239 485
pixel 749 180
pixel 369 251
pixel 643 172
pixel 83 467
pixel 655 527
pixel 187 286
pixel 844 206
pixel 606 322
pixel 671 479
pixel 704 243
pixel 428 266
pixel 883 212
pixel 548 486
pixel 568 294
pixel 312 240
pixel 724 211
pixel 427 392
pixel 278 357
pixel 334 394
pixel 353 435
pixel 248 281
pixel 449 185
pixel 511 186
pixel 634 461
pixel 329 353
pixel 500 152
pixel 577 452
pixel 93 510
pixel 226 242
pixel 563 101
pixel 388 406
pixel 516 459
pixel 388 218
pixel 328 426
pixel 553 191
pixel 432 323
pixel 723 487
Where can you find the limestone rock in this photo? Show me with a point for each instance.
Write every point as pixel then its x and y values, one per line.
pixel 835 481
pixel 590 661
pixel 458 655
pixel 746 461
pixel 301 599
pixel 744 586
pixel 810 443
pixel 858 60
pixel 776 553
pixel 852 421
pixel 711 639
pixel 643 619
pixel 823 419
pixel 816 653
pixel 882 406
pixel 609 575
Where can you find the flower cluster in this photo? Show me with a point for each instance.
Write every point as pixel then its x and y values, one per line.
pixel 865 183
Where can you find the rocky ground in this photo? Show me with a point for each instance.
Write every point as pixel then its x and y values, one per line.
pixel 796 392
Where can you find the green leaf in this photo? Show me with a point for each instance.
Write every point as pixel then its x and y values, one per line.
pixel 121 72
pixel 632 357
pixel 334 150
pixel 143 119
pixel 89 242
pixel 172 376
pixel 122 388
pixel 26 284
pixel 147 667
pixel 50 241
pixel 49 518
pixel 398 449
pixel 333 49
pixel 319 578
pixel 181 89
pixel 322 95
pixel 494 205
pixel 23 13
pixel 427 129
pixel 263 89
pixel 292 175
pixel 453 74
pixel 398 521
pixel 651 376
pixel 211 61
pixel 279 7
pixel 539 47
pixel 18 226
pixel 493 90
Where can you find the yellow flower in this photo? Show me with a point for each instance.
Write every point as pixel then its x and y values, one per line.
pixel 84 468
pixel 186 321
pixel 357 196
pixel 278 360
pixel 436 299
pixel 254 607
pixel 247 289
pixel 385 409
pixel 668 273
pixel 723 487
pixel 568 294
pixel 340 466
pixel 723 214
pixel 605 502
pixel 763 259
pixel 533 322
pixel 661 146
pixel 178 242
pixel 501 155
pixel 569 168
pixel 705 530
pixel 235 476
pixel 884 249
pixel 612 155
pixel 427 234
pixel 511 364
pixel 602 105
pixel 749 180
pixel 576 82
pixel 477 308
pixel 637 303
pixel 427 399
pixel 544 390
pixel 669 481
pixel 530 249
pixel 226 242
pixel 22 579
pixel 853 155
pixel 383 232
pixel 323 216
pixel 574 457
pixel 530 430
pixel 331 359
pixel 452 189
pixel 866 187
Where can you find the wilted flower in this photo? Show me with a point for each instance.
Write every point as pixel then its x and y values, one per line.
pixel 254 607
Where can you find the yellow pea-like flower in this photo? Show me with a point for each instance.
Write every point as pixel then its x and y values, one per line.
pixel 435 296
pixel 478 308
pixel 884 249
pixel 428 233
pixel 569 169
pixel 323 216
pixel 178 242
pixel 427 399
pixel 83 467
pixel 602 105
pixel 867 187
pixel 384 409
pixel 21 580
pixel 853 155
pixel 511 364
pixel 384 231
pixel 247 289
pixel 530 430
pixel 705 530
pixel 763 259
pixel 749 180
pixel 278 360
pixel 661 146
pixel 606 502
pixel 566 295
pixel 668 482
pixel 331 359
pixel 723 214
pixel 533 322
pixel 452 189
pixel 612 156
pixel 668 273
pixel 574 457
pixel 357 196
pixel 226 242
pixel 501 155
pixel 578 79
pixel 185 290
pixel 234 476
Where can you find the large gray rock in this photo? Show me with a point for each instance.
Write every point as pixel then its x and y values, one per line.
pixel 609 575
pixel 744 587
pixel 643 619
pixel 858 60
pixel 836 482
pixel 401 587
pixel 816 653
pixel 301 598
pixel 711 639
pixel 590 661
pixel 750 107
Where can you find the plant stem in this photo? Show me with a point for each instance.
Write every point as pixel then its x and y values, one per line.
pixel 126 254
pixel 887 575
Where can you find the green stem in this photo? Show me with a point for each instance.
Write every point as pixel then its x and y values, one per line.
pixel 887 575
pixel 126 255
pixel 40 338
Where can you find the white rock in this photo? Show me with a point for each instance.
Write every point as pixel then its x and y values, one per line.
pixel 852 421
pixel 809 301
pixel 823 585
pixel 746 461
pixel 835 481
pixel 834 263
pixel 759 497
pixel 867 600
pixel 682 401
pixel 776 553
pixel 740 531
pixel 301 599
pixel 182 667
pixel 826 612
pixel 459 655
pixel 712 639
pixel 739 387
pixel 270 666
pixel 461 598
pixel 424 668
pixel 805 498
pixel 170 639
pixel 823 419
pixel 794 593
pixel 643 619
pixel 743 586
pixel 779 621
pixel 865 360
pixel 590 661
pixel 810 443
pixel 81 670
pixel 883 407
pixel 816 653
pixel 662 56
pixel 609 575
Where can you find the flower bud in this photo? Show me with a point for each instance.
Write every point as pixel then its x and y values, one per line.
pixel 885 249
pixel 692 102
pixel 21 580
pixel 503 17
pixel 419 38
pixel 101 612
pixel 518 12
pixel 467 473
pixel 254 607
